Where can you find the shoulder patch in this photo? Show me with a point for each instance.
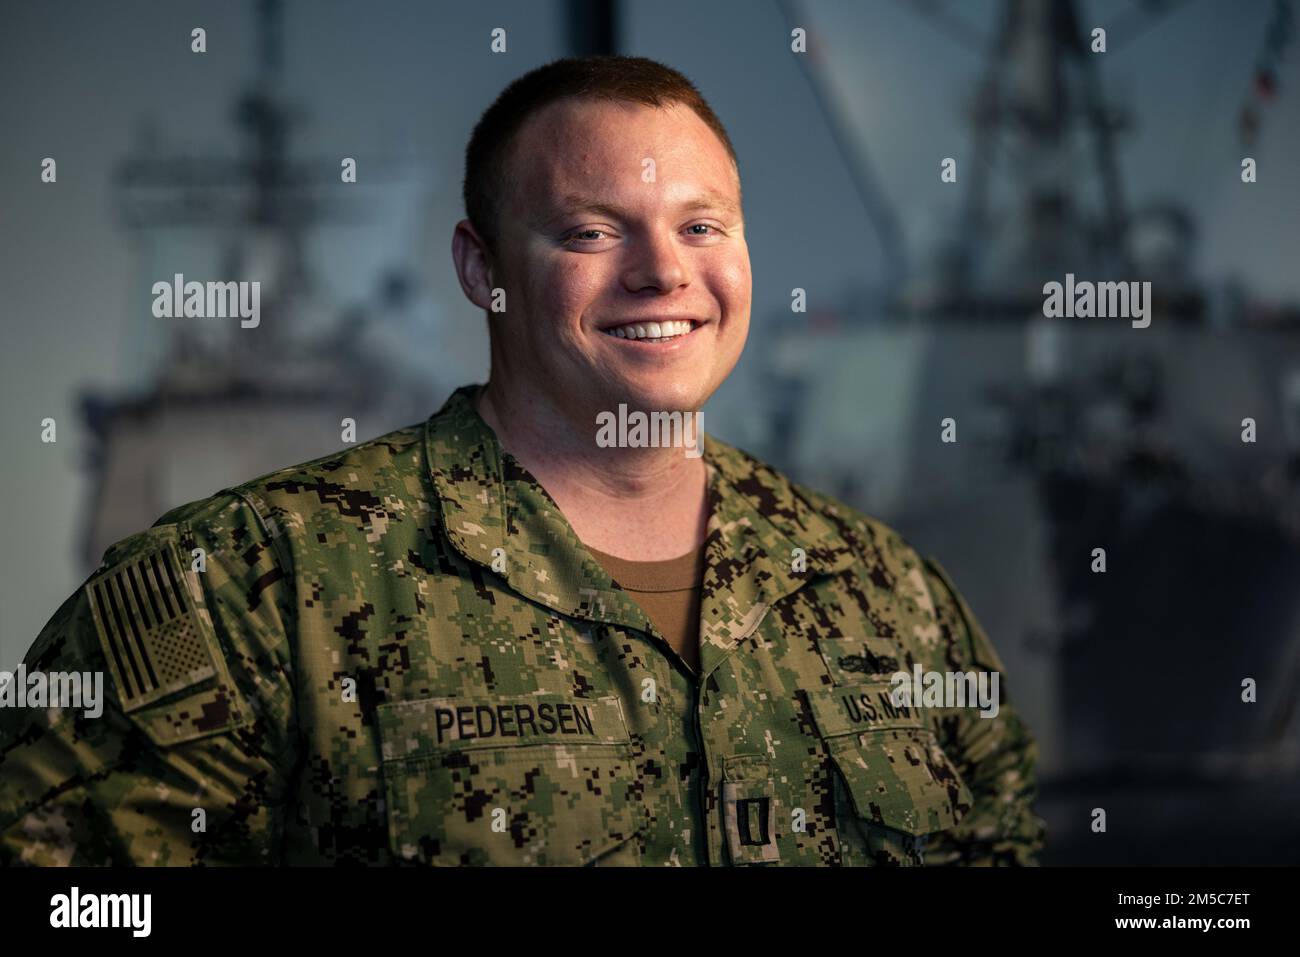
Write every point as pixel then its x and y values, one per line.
pixel 148 626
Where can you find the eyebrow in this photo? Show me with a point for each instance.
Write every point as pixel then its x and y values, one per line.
pixel 576 203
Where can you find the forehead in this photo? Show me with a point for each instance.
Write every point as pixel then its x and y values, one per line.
pixel 598 148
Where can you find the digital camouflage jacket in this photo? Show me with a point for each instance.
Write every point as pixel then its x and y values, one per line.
pixel 402 653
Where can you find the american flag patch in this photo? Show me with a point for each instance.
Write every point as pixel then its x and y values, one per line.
pixel 148 627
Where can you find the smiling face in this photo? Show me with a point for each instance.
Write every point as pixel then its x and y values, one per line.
pixel 622 254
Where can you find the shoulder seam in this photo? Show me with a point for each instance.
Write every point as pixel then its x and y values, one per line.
pixel 254 503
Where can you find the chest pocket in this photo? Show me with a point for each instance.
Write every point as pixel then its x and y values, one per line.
pixel 519 780
pixel 894 783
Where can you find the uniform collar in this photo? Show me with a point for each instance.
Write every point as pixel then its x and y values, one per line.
pixel 495 513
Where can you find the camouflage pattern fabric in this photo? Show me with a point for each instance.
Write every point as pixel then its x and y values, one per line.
pixel 401 653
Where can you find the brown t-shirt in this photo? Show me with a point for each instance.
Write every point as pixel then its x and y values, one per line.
pixel 668 592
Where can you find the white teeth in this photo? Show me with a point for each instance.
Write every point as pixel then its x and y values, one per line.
pixel 652 330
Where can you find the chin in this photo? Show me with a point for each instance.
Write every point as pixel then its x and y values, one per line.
pixel 665 397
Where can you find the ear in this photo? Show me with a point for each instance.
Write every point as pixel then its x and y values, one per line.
pixel 473 264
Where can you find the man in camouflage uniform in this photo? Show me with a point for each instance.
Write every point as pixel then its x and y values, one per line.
pixel 406 652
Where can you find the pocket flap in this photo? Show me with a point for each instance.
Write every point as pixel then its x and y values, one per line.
pixel 896 773
pixel 901 778
pixel 865 706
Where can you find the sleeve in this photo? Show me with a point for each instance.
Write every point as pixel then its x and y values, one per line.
pixel 152 721
pixel 995 755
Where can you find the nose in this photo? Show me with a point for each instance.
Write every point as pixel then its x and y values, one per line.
pixel 654 263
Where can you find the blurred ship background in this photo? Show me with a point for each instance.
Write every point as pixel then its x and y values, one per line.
pixel 1072 434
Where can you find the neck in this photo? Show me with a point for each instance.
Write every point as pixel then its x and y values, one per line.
pixel 640 504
